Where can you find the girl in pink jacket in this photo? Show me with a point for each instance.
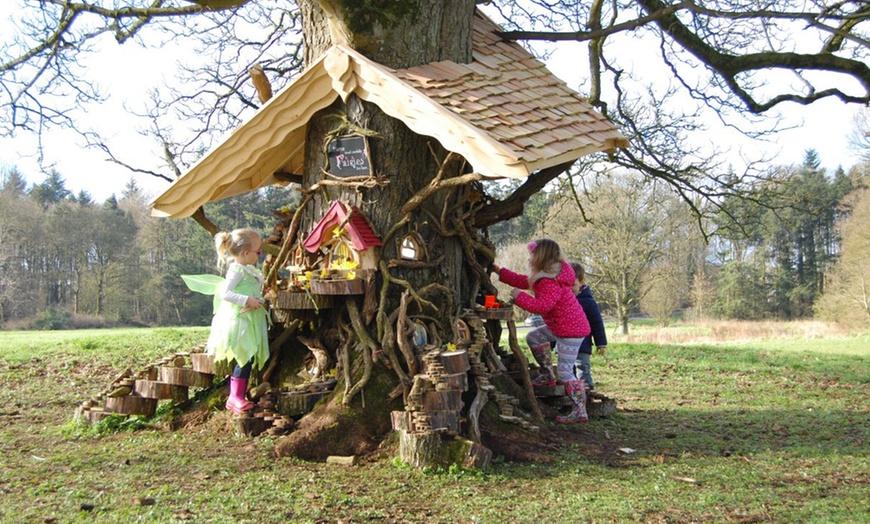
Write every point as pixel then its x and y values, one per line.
pixel 551 280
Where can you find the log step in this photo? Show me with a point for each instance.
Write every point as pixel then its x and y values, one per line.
pixel 152 389
pixel 296 403
pixel 455 361
pixel 185 377
pixel 202 363
pixel 132 405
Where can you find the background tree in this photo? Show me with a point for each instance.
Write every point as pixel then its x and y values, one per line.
pixel 847 295
pixel 632 226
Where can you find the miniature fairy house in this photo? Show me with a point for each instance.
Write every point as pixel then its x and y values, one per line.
pixel 344 236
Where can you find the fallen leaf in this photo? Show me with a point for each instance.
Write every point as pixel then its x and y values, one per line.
pixel 686 479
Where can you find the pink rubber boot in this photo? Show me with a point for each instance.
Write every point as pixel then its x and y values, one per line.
pixel 237 403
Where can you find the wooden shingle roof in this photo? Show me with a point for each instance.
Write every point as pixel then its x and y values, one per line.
pixel 504 112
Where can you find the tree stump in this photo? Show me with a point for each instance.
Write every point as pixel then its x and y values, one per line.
pixel 421 450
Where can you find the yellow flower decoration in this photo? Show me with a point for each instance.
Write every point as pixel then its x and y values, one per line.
pixel 351 274
pixel 337 231
pixel 451 346
pixel 324 272
pixel 345 264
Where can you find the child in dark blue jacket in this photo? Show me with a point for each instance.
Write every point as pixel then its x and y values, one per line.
pixel 593 314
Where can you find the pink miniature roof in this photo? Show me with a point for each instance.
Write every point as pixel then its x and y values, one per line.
pixel 357 228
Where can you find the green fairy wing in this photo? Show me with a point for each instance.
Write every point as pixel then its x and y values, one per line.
pixel 205 284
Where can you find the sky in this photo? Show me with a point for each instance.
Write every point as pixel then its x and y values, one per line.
pixel 128 72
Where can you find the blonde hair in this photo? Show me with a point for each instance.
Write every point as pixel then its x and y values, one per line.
pixel 234 243
pixel 546 256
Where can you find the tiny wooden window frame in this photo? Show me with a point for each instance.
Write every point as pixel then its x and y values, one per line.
pixel 412 247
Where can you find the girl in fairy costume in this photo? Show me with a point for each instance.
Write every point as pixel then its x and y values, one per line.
pixel 239 328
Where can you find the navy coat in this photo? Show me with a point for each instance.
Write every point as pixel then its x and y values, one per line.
pixel 593 314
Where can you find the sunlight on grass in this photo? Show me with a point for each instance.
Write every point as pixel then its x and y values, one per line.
pixel 764 424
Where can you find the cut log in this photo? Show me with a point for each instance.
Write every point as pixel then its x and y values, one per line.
pixel 343 461
pixel 132 405
pixel 550 391
pixel 301 300
pixel 449 400
pixel 456 381
pixel 430 450
pixel 185 377
pixel 153 389
pixel 601 407
pixel 455 361
pixel 294 404
pixel 93 415
pixel 179 394
pixel 506 313
pixel 202 363
pixel 251 426
pixel 342 286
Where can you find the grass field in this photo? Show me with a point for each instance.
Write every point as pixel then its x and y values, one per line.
pixel 717 423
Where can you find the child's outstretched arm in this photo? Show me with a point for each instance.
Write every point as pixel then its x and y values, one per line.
pixel 510 278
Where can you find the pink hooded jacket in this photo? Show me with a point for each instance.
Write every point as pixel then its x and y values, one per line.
pixel 553 299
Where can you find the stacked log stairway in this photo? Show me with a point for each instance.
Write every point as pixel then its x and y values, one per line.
pixel 137 393
pixel 171 379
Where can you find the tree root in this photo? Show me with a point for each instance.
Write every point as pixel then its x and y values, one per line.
pixel 366 346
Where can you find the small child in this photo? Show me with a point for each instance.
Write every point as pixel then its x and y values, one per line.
pixel 239 328
pixel 593 314
pixel 552 281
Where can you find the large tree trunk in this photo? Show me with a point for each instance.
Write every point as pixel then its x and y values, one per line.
pixel 423 31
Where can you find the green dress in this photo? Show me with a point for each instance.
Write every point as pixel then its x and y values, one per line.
pixel 237 337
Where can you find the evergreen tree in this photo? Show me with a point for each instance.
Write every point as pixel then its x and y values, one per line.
pixel 51 191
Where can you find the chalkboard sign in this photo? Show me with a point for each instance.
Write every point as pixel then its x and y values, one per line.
pixel 349 156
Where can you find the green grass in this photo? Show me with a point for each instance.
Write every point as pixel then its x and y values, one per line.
pixel 106 344
pixel 757 431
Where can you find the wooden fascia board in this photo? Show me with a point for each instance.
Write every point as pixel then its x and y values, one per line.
pixel 289 110
pixel 378 85
pixel 569 156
